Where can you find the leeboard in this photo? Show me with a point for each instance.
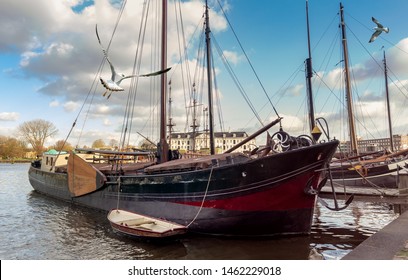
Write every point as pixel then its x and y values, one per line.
pixel 83 178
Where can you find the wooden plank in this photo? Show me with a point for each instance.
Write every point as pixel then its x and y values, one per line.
pixel 118 153
pixel 83 178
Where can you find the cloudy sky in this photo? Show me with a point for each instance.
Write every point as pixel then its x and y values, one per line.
pixel 50 58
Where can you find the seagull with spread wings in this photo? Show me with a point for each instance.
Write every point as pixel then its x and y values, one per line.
pixel 378 30
pixel 113 85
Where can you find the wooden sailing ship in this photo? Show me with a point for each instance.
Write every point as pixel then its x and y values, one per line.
pixel 271 191
pixel 353 168
pixel 358 169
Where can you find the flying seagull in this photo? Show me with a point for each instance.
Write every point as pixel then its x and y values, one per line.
pixel 378 30
pixel 113 85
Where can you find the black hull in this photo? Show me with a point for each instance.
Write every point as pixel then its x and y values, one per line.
pixel 266 196
pixel 383 175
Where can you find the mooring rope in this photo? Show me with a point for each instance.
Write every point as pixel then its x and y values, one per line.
pixel 117 204
pixel 205 194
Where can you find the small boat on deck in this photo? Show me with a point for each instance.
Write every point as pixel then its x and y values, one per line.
pixel 137 225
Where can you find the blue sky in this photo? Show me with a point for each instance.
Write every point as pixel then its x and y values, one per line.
pixel 49 57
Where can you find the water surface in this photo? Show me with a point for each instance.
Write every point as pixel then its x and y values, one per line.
pixel 34 226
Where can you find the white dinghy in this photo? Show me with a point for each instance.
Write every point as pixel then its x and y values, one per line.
pixel 138 225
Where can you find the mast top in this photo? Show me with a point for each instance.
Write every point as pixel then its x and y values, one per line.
pixel 349 99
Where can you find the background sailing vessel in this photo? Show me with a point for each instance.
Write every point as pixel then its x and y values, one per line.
pixel 270 191
pixel 354 167
pixel 379 171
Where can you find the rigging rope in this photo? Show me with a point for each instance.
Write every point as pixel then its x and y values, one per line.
pixel 235 79
pixel 378 63
pixel 93 86
pixel 362 123
pixel 249 61
pixel 130 106
pixel 94 83
pixel 217 99
pixel 183 47
pixel 381 37
pixel 119 183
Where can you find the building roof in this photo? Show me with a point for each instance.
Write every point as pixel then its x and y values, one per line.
pixel 216 134
pixel 54 152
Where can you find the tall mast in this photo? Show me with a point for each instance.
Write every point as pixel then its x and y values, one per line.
pixel 205 110
pixel 163 145
pixel 170 124
pixel 194 126
pixel 309 73
pixel 209 77
pixel 352 130
pixel 388 103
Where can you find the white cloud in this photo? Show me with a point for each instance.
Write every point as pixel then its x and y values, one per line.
pixel 103 109
pixel 397 57
pixel 8 131
pixel 295 90
pixel 333 79
pixel 232 57
pixel 54 103
pixel 107 122
pixel 71 106
pixel 55 41
pixel 9 116
pixel 295 125
pixel 26 57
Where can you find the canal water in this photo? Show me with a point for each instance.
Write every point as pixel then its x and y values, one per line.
pixel 36 227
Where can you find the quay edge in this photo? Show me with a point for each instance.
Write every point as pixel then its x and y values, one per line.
pixel 390 243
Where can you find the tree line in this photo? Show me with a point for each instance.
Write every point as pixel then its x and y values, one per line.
pixel 31 136
pixel 29 140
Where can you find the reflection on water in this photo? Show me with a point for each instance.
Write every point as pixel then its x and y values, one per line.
pixel 33 226
pixel 334 234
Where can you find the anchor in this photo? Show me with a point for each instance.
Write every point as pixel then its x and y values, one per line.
pixel 336 203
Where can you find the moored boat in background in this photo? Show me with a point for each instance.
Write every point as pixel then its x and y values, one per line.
pixel 356 169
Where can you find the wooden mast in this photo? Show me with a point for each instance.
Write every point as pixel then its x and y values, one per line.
pixel 388 103
pixel 170 124
pixel 309 73
pixel 209 77
pixel 194 126
pixel 352 130
pixel 163 146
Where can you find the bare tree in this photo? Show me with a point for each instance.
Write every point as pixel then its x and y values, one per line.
pixel 36 132
pixel 98 144
pixel 113 143
pixel 61 145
